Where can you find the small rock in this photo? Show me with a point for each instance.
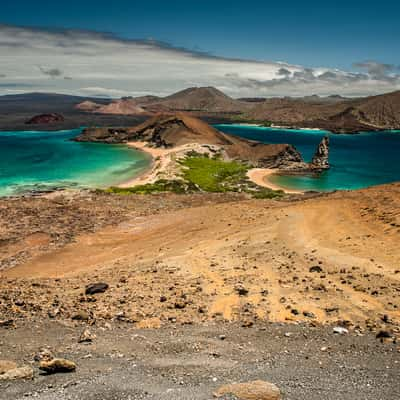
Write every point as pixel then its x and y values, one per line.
pixel 383 335
pixel 241 291
pixel 308 314
pixel 81 315
pixel 316 268
pixel 340 330
pixel 6 323
pixel 86 336
pixel 96 288
pixel 180 304
pixel 6 365
pixel 24 372
pixel 43 355
pixel 256 390
pixel 57 365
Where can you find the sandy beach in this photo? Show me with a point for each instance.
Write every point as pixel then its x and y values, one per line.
pixel 163 164
pixel 260 176
pixel 159 160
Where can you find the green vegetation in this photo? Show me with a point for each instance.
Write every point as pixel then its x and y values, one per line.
pixel 213 174
pixel 162 185
pixel 202 173
pixel 265 193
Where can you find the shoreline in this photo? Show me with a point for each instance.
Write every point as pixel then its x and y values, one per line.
pixel 161 159
pixel 260 176
pixel 149 174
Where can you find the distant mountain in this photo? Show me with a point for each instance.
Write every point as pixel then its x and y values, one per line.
pixel 204 99
pixel 43 102
pixel 333 113
pixel 15 110
pixel 349 115
pixel 125 106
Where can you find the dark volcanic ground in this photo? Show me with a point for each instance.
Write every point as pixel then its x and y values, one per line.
pixel 190 362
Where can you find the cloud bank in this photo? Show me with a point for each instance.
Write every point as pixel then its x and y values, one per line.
pixel 101 64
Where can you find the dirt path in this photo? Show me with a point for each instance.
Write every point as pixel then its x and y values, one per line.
pixel 245 261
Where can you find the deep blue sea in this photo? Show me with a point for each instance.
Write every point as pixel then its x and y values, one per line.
pixel 357 161
pixel 41 160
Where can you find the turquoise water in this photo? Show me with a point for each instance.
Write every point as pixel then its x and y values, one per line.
pixel 357 161
pixel 42 160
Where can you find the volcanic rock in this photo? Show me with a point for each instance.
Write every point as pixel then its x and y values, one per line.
pixel 6 365
pixel 24 372
pixel 57 365
pixel 45 119
pixel 320 160
pixel 96 288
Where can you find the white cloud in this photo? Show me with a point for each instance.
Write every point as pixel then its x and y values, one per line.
pixel 91 63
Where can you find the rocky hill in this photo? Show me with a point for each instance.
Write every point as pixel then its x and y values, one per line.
pixel 45 119
pixel 334 113
pixel 205 99
pixel 169 131
pixel 343 115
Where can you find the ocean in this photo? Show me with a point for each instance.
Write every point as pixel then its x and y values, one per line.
pixel 31 161
pixel 357 161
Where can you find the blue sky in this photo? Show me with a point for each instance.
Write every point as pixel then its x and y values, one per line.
pixel 360 38
pixel 311 33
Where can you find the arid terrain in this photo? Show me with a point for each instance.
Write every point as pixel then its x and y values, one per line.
pixel 274 278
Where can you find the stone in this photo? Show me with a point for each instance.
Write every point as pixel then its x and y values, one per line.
pixel 320 160
pixel 6 323
pixel 81 315
pixel 24 372
pixel 340 330
pixel 57 365
pixel 316 268
pixel 256 390
pixel 383 335
pixel 95 288
pixel 43 355
pixel 86 336
pixel 6 365
pixel 241 290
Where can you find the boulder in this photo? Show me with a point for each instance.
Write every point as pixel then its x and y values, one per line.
pixel 57 365
pixel 6 365
pixel 43 355
pixel 45 119
pixel 24 372
pixel 96 288
pixel 86 336
pixel 256 390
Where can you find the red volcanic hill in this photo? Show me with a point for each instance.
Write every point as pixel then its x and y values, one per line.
pixel 45 119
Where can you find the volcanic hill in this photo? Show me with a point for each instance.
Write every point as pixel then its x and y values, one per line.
pixel 168 131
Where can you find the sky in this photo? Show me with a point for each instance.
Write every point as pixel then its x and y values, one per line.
pixel 246 48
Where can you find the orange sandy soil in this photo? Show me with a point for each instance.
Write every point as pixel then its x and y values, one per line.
pixel 197 260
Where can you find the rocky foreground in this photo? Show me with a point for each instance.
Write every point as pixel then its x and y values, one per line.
pixel 174 296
